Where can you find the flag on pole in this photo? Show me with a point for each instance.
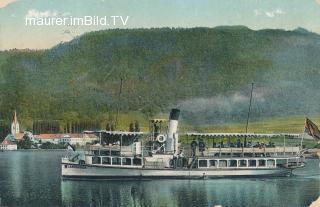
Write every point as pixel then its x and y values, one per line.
pixel 311 129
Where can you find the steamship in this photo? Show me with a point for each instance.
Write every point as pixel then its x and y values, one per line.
pixel 158 154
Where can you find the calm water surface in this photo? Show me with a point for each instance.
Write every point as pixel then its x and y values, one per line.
pixel 32 178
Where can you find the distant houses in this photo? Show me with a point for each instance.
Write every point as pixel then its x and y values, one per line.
pixel 80 139
pixel 11 140
pixel 8 143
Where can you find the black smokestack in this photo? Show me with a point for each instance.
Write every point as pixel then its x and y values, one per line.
pixel 174 114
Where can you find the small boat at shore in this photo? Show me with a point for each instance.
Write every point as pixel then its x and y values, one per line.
pixel 159 155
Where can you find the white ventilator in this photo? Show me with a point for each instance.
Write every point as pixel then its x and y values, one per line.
pixel 172 138
pixel 138 148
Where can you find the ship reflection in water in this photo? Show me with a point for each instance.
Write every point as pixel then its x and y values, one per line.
pixel 294 191
pixel 32 178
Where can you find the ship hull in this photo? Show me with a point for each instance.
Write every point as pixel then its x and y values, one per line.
pixel 75 171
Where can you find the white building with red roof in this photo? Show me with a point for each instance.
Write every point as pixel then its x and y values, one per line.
pixel 74 139
pixel 8 144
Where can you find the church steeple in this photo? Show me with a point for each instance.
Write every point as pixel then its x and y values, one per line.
pixel 15 116
pixel 15 128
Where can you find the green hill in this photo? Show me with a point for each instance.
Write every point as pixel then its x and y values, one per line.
pixel 204 71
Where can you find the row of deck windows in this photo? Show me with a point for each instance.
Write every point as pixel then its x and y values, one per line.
pixel 257 154
pixel 240 163
pixel 116 161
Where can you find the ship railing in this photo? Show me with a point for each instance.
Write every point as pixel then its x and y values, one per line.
pixel 112 147
pixel 154 164
pixel 252 150
pixel 108 150
pixel 217 151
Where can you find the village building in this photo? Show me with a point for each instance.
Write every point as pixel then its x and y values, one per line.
pixel 8 143
pixel 16 136
pixel 74 139
pixel 15 129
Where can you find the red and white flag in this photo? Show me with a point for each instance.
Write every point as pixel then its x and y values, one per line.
pixel 311 129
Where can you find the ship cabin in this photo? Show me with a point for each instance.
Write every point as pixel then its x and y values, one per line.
pixel 238 150
pixel 241 145
pixel 116 148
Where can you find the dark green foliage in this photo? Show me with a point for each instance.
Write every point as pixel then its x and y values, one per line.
pixel 136 126
pixel 25 143
pixel 131 127
pixel 4 129
pixel 40 126
pixel 79 81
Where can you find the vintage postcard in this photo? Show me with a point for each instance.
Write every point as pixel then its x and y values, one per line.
pixel 160 103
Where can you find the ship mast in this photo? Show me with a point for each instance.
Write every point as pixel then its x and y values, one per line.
pixel 118 105
pixel 245 138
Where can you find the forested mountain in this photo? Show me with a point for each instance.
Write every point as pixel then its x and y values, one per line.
pixel 207 72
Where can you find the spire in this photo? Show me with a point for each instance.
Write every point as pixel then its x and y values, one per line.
pixel 15 129
pixel 15 120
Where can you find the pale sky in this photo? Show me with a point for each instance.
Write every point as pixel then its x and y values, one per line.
pixel 255 14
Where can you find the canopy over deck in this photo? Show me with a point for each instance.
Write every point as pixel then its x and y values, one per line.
pixel 119 133
pixel 121 138
pixel 240 135
pixel 158 120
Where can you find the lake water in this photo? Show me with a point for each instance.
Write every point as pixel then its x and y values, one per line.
pixel 32 178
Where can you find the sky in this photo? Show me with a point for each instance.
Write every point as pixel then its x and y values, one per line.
pixel 255 14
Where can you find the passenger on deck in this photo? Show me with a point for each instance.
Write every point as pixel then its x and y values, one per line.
pixel 181 153
pixel 194 145
pixel 202 147
pixel 257 145
pixel 238 143
pixel 116 143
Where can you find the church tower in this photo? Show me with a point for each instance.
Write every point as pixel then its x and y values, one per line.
pixel 15 128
